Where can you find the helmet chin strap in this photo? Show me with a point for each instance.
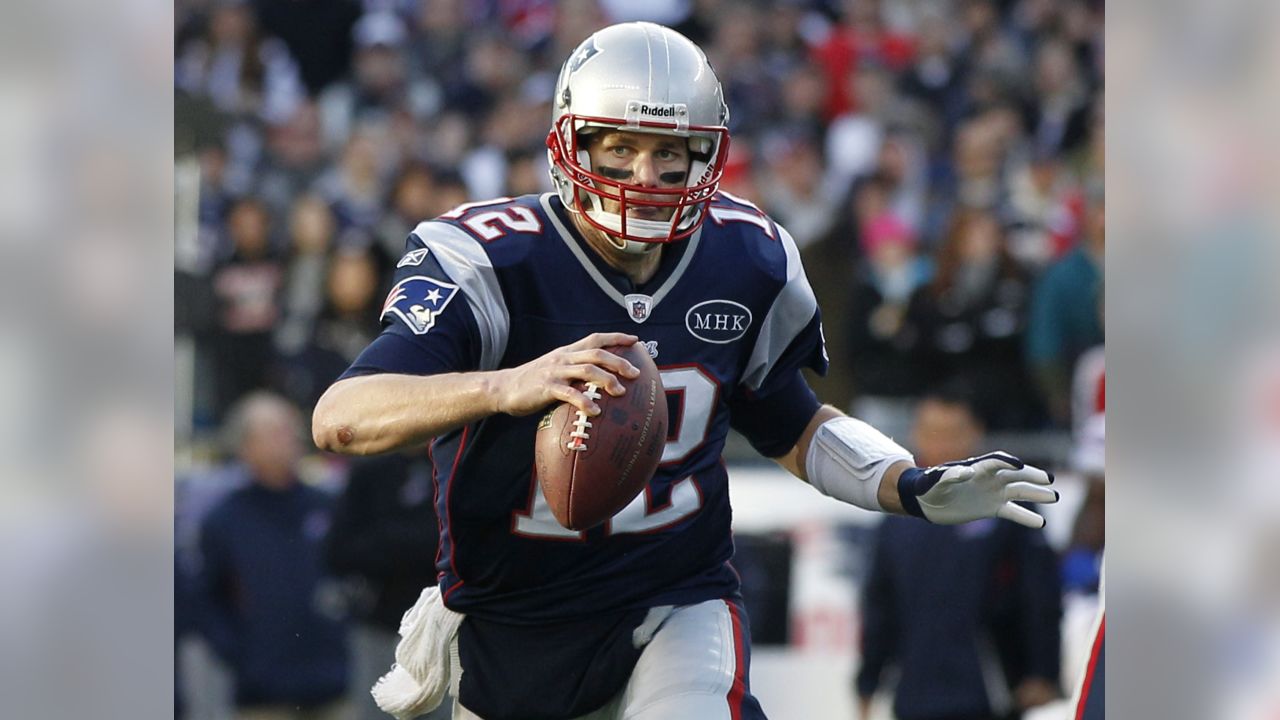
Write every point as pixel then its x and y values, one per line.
pixel 656 229
pixel 632 247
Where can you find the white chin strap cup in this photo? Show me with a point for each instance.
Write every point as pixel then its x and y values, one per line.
pixel 656 229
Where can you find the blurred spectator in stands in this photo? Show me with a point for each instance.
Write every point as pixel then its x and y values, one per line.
pixel 515 126
pixel 350 320
pixel 448 140
pixel 735 53
pixel 882 349
pixel 526 173
pixel 492 69
pixel 451 191
pixel 662 12
pixel 740 170
pixel 246 289
pixel 988 49
pixel 934 79
pixel 1030 20
pixel 354 186
pixel 1064 320
pixel 294 159
pixel 410 203
pixel 1083 27
pixel 1059 117
pixel 971 174
pixel 380 82
pixel 800 95
pixel 440 38
pixel 970 319
pixel 860 39
pixel 1045 205
pixel 854 138
pixel 783 48
pixel 797 190
pixel 901 163
pixel 979 161
pixel 243 71
pixel 1082 562
pixel 318 33
pixel 383 545
pixel 266 604
pixel 215 200
pixel 1093 161
pixel 347 322
pixel 831 264
pixel 968 614
pixel 311 237
pixel 527 23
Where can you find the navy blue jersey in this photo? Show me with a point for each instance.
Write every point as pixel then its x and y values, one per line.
pixel 730 320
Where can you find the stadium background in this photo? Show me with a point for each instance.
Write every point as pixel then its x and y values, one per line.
pixel 310 137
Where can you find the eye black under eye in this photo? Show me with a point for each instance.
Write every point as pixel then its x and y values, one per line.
pixel 615 173
pixel 673 177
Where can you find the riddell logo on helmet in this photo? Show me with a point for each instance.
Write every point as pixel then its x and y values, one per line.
pixel 663 111
pixel 674 112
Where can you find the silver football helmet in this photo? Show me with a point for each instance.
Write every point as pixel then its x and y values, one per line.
pixel 640 77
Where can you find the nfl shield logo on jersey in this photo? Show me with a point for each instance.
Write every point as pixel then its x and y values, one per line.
pixel 418 301
pixel 638 306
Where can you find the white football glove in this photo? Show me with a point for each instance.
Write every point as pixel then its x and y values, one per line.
pixel 980 487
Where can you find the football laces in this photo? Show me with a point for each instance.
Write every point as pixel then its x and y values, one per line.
pixel 578 438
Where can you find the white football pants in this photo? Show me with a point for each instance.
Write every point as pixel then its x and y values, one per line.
pixel 686 672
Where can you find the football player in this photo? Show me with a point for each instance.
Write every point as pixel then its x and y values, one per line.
pixel 500 306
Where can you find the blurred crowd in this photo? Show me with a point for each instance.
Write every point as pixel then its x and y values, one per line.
pixel 939 163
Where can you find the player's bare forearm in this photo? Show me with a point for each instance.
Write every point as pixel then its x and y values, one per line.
pixel 888 495
pixel 381 413
pixel 794 462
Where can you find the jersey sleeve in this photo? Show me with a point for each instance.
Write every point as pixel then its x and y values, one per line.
pixel 773 423
pixel 773 404
pixel 445 311
pixel 791 334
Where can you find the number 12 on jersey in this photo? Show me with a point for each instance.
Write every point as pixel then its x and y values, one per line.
pixel 696 394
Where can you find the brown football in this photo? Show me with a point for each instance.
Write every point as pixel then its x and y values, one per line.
pixel 591 467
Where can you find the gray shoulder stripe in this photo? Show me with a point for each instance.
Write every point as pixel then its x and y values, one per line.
pixel 466 263
pixel 787 317
pixel 567 238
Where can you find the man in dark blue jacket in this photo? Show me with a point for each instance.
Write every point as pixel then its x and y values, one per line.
pixel 383 543
pixel 266 605
pixel 968 614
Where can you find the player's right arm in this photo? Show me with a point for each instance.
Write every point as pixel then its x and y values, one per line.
pixel 382 412
pixel 437 364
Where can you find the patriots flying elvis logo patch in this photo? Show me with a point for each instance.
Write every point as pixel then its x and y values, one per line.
pixel 418 301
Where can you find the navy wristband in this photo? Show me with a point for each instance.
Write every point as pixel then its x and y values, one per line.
pixel 912 483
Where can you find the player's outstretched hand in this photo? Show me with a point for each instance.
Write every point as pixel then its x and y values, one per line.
pixel 983 486
pixel 531 387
